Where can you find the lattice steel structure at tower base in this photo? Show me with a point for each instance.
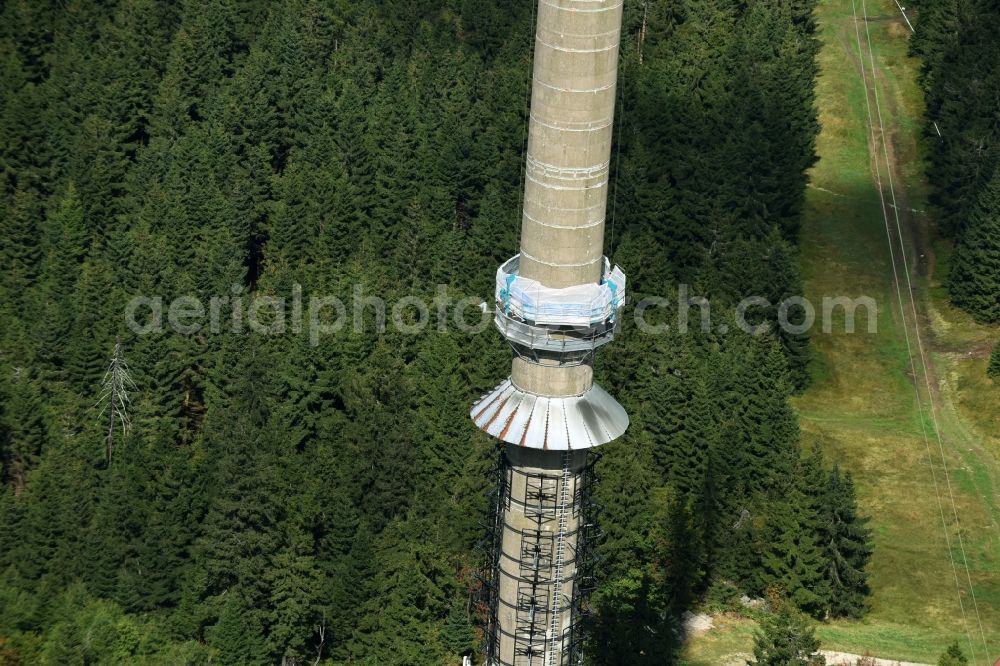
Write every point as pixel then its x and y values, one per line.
pixel 527 574
pixel 557 302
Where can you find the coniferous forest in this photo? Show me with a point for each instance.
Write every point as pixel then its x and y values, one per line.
pixel 956 40
pixel 280 501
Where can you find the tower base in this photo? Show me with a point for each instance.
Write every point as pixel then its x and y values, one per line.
pixel 541 558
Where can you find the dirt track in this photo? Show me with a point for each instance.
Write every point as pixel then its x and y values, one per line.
pixel 847 659
pixel 832 659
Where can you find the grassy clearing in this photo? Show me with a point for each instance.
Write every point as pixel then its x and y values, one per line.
pixel 732 636
pixel 862 408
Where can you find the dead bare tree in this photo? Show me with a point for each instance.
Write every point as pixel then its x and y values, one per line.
pixel 322 639
pixel 744 517
pixel 114 399
pixel 642 31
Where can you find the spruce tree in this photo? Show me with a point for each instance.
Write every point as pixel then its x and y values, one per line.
pixel 294 581
pixel 241 537
pixel 675 413
pixel 975 273
pixel 23 429
pixel 164 501
pixel 20 252
pixel 785 638
pixel 936 29
pixel 783 282
pixel 456 633
pixel 236 639
pixel 681 556
pixel 401 623
pixel 953 656
pixel 847 543
pixel 791 560
pixel 761 448
pixel 994 367
pixel 66 244
pixel 96 316
pixel 632 624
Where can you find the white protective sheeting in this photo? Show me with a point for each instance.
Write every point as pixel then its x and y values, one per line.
pixel 579 305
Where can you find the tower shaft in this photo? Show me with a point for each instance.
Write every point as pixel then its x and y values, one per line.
pixel 570 131
pixel 569 141
pixel 538 562
pixel 557 302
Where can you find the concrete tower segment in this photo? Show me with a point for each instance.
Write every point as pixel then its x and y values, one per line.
pixel 569 141
pixel 557 302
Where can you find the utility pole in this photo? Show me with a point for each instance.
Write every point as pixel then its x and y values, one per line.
pixel 558 301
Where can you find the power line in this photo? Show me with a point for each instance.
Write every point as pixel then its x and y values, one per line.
pixel 902 10
pixel 621 128
pixel 916 330
pixel 902 311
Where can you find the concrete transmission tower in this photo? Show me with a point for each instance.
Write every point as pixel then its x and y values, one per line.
pixel 558 301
